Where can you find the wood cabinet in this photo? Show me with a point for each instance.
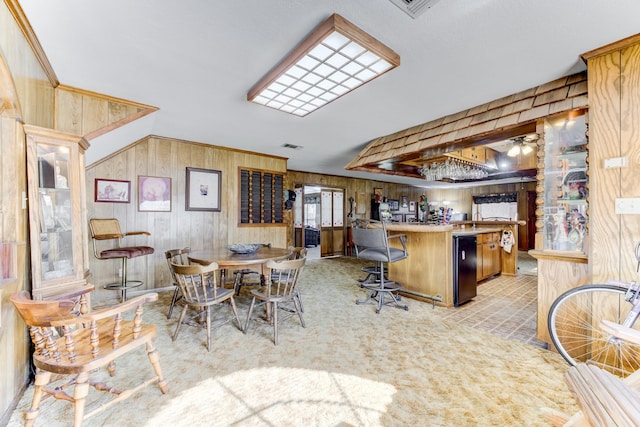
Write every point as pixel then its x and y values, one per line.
pixel 57 212
pixel 488 255
pixel 479 259
pixel 476 154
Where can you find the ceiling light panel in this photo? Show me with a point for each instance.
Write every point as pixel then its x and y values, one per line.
pixel 334 60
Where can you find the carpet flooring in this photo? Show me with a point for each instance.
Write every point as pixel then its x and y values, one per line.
pixel 348 367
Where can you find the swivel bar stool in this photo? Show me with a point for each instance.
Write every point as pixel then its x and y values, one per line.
pixel 109 229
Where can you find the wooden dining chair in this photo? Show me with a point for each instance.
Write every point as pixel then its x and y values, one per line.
pixel 298 252
pixel 87 342
pixel 178 256
pixel 279 293
pixel 200 291
pixel 247 276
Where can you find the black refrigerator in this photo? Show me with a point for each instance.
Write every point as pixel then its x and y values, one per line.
pixel 464 269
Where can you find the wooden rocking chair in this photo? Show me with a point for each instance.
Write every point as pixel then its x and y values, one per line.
pixel 87 342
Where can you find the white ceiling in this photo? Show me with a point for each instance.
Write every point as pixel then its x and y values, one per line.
pixel 196 59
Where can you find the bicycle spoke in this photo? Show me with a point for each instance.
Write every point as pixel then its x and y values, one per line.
pixel 574 327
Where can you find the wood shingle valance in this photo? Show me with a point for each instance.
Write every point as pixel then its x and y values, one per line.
pixel 500 119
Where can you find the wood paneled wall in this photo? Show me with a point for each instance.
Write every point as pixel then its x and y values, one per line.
pixel 614 115
pixel 91 114
pixel 165 157
pixel 26 95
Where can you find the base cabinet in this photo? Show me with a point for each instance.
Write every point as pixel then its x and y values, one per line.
pixel 489 262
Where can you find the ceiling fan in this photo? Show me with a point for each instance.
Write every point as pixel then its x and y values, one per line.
pixel 522 145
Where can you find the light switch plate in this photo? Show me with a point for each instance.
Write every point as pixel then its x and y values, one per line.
pixel 615 162
pixel 628 206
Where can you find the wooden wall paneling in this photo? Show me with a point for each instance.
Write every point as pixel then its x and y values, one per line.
pixel 216 222
pixel 42 110
pixel 95 114
pixel 11 216
pixel 630 148
pixel 554 278
pixel 164 167
pixel 69 109
pixel 30 82
pixel 102 271
pixel 604 184
pixel 118 111
pixel 156 221
pixel 181 226
pixel 14 341
pixel 28 89
pixel 200 235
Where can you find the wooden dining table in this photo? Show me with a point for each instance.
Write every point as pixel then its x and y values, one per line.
pixel 228 260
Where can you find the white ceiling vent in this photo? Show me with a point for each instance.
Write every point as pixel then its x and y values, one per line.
pixel 414 8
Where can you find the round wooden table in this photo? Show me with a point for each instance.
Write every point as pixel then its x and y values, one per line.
pixel 231 260
pixel 226 259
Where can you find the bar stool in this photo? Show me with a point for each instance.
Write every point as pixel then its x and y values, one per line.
pixel 109 229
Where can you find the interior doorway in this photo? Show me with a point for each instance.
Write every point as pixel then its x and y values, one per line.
pixel 319 220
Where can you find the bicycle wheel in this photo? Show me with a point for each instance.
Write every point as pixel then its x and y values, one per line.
pixel 574 327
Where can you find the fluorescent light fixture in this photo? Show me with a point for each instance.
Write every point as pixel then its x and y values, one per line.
pixel 334 60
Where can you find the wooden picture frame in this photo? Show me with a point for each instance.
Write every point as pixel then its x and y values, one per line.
pixel 112 191
pixel 154 194
pixel 203 190
pixel 377 191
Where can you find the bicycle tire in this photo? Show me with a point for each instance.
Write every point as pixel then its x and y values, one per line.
pixel 574 327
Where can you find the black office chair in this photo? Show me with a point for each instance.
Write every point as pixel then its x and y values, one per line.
pixel 372 243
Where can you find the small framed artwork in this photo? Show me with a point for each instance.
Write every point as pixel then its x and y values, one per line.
pixel 394 204
pixel 377 191
pixel 405 200
pixel 112 191
pixel 154 194
pixel 203 190
pixel 412 206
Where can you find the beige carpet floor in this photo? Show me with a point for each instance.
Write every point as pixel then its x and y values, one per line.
pixel 348 367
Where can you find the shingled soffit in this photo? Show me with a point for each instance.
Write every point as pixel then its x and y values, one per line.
pixel 404 152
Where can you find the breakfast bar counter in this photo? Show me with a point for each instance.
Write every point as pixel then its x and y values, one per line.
pixel 427 274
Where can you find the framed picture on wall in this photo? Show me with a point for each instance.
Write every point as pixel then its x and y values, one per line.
pixel 112 191
pixel 154 194
pixel 412 206
pixel 203 190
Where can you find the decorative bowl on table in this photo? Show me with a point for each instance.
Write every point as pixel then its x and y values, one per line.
pixel 246 248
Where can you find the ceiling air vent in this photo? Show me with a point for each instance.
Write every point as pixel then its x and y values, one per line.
pixel 414 8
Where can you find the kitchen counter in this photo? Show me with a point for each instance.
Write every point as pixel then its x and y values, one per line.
pixel 476 231
pixel 427 274
pixel 418 228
